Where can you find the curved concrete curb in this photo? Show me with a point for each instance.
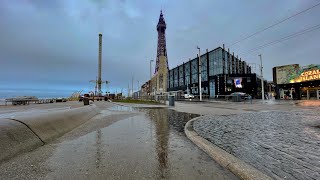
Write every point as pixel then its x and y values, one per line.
pixel 25 133
pixel 235 165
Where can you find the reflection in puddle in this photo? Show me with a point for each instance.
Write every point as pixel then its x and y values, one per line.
pixel 148 145
pixel 163 119
pixel 176 120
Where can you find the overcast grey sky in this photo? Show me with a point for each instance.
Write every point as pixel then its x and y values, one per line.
pixel 52 46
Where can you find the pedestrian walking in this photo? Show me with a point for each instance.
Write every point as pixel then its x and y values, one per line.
pixel 249 98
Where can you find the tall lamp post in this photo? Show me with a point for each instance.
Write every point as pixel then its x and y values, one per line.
pixel 200 90
pixel 132 87
pixel 262 84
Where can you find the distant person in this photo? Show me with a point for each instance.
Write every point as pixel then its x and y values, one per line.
pixel 250 98
pixel 293 95
pixel 287 94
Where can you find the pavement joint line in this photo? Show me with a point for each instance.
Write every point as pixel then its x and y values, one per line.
pixel 225 159
pixel 28 128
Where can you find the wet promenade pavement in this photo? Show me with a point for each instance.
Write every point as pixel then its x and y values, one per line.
pixel 120 143
pixel 11 111
pixel 283 145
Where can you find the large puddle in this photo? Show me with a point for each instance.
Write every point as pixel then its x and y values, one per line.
pixel 150 145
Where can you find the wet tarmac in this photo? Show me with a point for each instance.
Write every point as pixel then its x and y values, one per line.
pixel 143 143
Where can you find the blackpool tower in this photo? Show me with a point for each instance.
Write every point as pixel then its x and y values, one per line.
pixel 162 49
pixel 159 82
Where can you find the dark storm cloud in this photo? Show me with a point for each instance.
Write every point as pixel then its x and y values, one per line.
pixel 54 44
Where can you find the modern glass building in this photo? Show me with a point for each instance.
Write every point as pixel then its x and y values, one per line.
pixel 221 74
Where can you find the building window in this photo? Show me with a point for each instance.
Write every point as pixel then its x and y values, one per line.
pixel 175 77
pixel 226 64
pixel 211 63
pixel 215 62
pixel 171 78
pixel 218 60
pixel 204 73
pixel 181 75
pixel 194 71
pixel 187 73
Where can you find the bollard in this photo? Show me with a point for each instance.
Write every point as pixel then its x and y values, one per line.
pixel 171 100
pixel 85 101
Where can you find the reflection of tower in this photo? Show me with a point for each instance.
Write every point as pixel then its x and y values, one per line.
pixel 162 49
pixel 99 64
pixel 162 138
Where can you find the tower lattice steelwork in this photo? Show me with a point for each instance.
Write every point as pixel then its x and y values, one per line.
pixel 162 49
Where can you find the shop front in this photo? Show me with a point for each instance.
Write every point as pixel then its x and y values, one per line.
pixel 294 82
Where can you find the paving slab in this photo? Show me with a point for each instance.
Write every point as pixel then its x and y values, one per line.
pixel 281 144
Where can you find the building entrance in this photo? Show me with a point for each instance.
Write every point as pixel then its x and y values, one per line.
pixel 310 93
pixel 212 87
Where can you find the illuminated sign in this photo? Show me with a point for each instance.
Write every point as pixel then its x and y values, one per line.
pixel 308 75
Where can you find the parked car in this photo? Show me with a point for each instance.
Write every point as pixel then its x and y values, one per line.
pixel 61 99
pixel 188 96
pixel 242 94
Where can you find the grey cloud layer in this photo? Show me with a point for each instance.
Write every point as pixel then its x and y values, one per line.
pixel 56 42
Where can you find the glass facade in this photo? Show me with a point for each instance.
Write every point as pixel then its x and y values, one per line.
pixel 237 65
pixel 175 77
pixel 187 73
pixel 226 64
pixel 181 75
pixel 204 73
pixel 233 66
pixel 213 65
pixel 194 71
pixel 215 62
pixel 170 79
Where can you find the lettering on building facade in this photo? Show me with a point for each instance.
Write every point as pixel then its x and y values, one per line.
pixel 310 75
pixel 307 75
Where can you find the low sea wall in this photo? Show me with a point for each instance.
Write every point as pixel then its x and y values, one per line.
pixel 25 133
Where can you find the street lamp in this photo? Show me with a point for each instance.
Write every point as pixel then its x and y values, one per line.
pixel 262 84
pixel 132 86
pixel 199 74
